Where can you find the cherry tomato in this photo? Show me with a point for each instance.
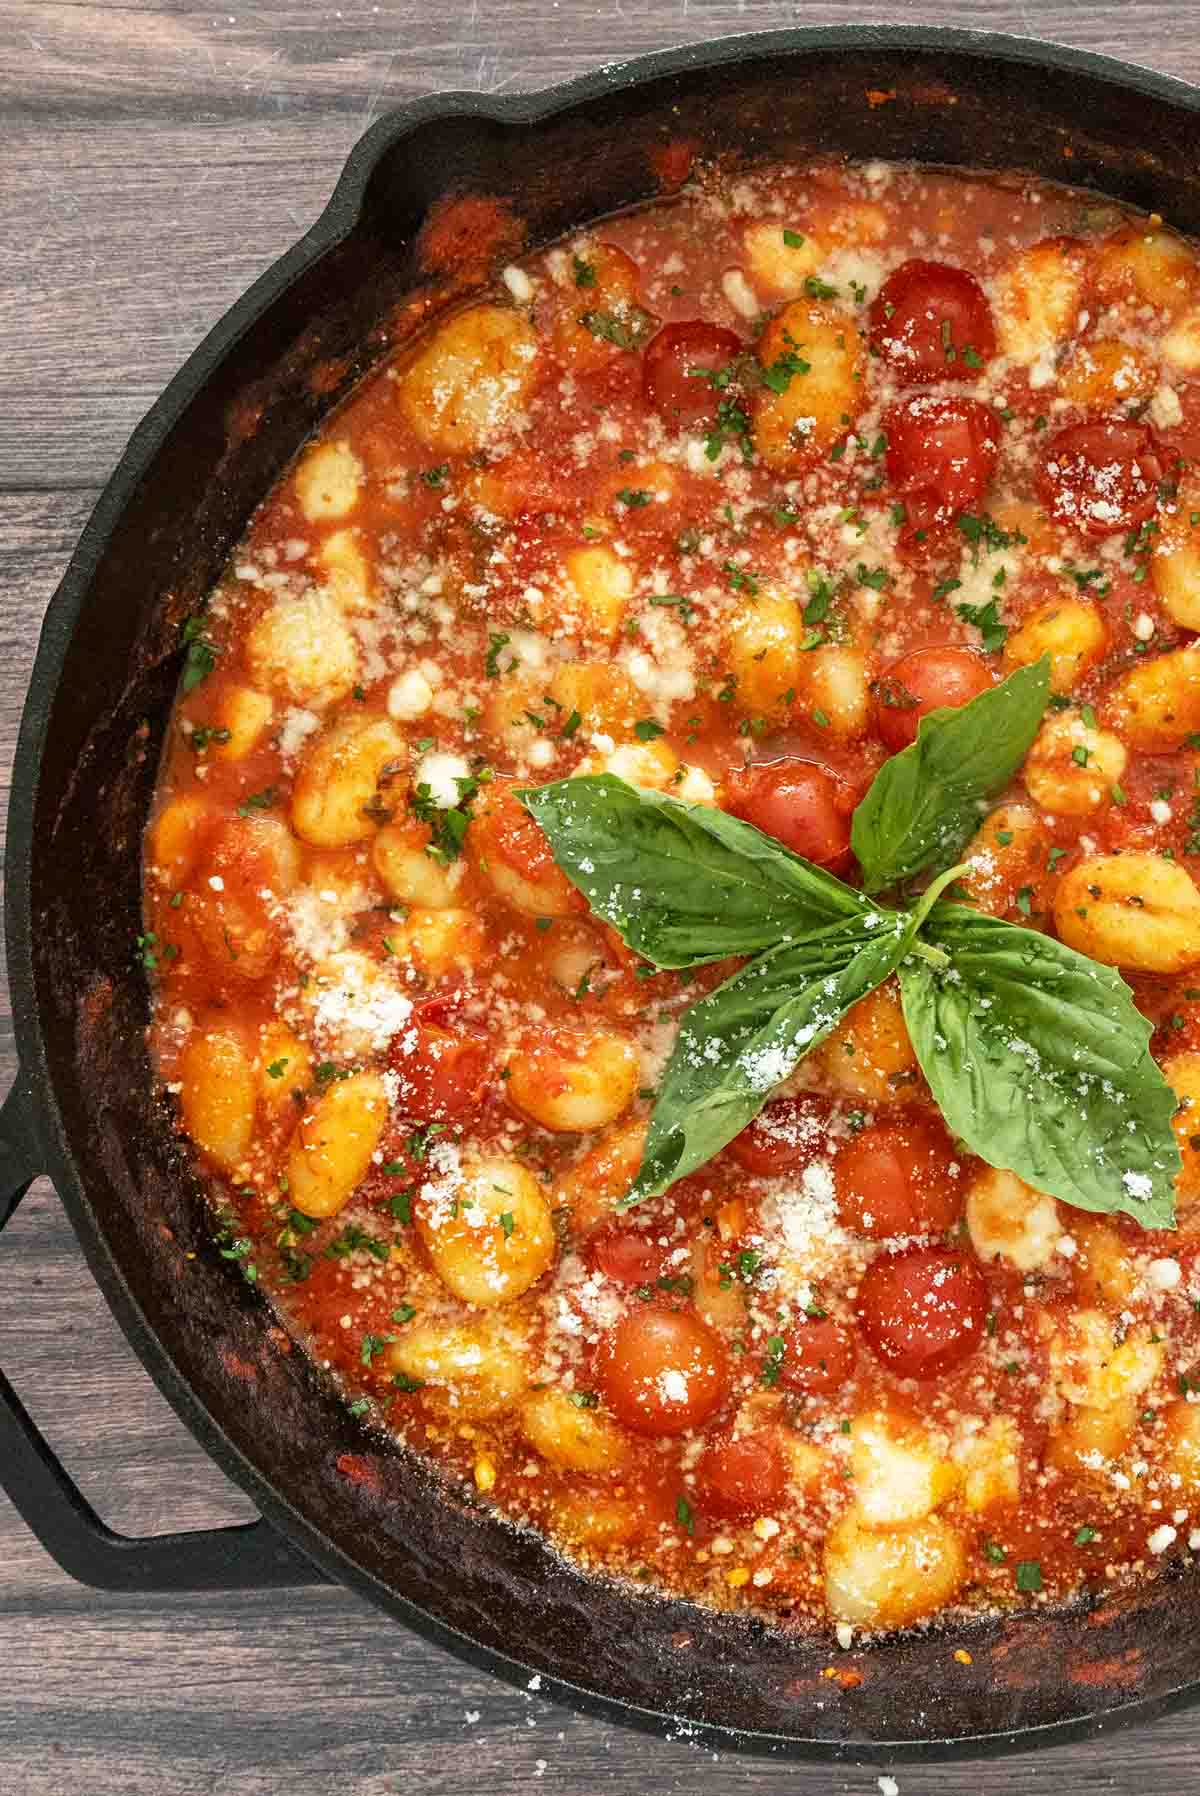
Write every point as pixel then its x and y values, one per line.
pixel 801 804
pixel 784 1136
pixel 922 682
pixel 932 322
pixel 741 1477
pixel 663 1371
pixel 1101 477
pixel 442 1071
pixel 941 453
pixel 670 381
pixel 627 1255
pixel 922 1311
pixel 818 1357
pixel 895 1179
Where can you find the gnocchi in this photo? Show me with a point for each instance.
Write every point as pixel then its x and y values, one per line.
pixel 1131 910
pixel 488 1231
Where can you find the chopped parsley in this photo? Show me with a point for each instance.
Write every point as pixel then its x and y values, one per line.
pixel 987 620
pixel 778 376
pixel 685 607
pixel 627 329
pixel 730 425
pixel 773 1359
pixel 373 1344
pixel 202 734
pixel 201 654
pixel 491 665
pixel 257 801
pixel 354 1239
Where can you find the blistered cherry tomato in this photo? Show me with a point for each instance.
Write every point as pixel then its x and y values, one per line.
pixel 784 1136
pixel 627 1255
pixel 896 1179
pixel 922 1311
pixel 941 454
pixel 801 804
pixel 932 322
pixel 818 1357
pixel 663 1371
pixel 674 365
pixel 442 1072
pixel 742 1476
pixel 1101 477
pixel 922 682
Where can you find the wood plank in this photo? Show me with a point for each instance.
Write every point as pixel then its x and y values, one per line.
pixel 157 157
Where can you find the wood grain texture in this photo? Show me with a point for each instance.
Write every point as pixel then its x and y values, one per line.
pixel 156 158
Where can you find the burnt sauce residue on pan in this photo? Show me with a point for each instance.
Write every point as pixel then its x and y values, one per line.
pixel 719 497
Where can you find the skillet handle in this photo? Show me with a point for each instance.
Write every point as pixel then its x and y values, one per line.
pixel 246 1556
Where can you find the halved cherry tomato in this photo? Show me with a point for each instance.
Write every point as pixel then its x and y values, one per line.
pixel 663 1371
pixel 1101 477
pixel 930 321
pixel 784 1136
pixel 801 804
pixel 896 1179
pixel 742 1476
pixel 818 1357
pixel 941 454
pixel 442 1072
pixel 674 365
pixel 922 1311
pixel 922 682
pixel 629 1256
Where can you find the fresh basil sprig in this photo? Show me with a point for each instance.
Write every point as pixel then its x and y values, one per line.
pixel 736 1046
pixel 924 802
pixel 1040 1061
pixel 1037 1055
pixel 683 884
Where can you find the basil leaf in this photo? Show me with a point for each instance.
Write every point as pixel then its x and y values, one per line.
pixel 683 884
pixel 923 802
pixel 735 1046
pixel 1040 1062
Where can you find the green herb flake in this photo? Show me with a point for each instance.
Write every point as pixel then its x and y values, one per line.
pixel 200 655
pixel 773 1359
pixel 373 1344
pixel 257 801
pixel 491 663
pixel 987 620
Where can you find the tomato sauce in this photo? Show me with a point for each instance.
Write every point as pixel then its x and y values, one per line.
pixel 722 496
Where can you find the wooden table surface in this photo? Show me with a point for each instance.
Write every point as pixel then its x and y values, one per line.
pixel 154 158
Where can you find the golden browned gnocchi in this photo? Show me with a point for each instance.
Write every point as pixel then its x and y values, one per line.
pixel 471 380
pixel 488 1232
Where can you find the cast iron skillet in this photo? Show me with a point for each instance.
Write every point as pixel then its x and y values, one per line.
pixel 336 1501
